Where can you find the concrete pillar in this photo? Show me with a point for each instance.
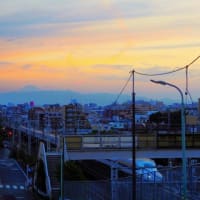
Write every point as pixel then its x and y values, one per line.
pixel 29 144
pixel 13 136
pixel 48 146
pixel 66 155
pixel 58 145
pixel 19 138
pixel 114 177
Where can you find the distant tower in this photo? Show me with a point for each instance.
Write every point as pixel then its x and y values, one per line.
pixel 32 104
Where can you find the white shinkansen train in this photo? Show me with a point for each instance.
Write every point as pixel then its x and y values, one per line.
pixel 146 169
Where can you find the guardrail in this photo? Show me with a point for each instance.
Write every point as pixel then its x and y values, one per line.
pixel 98 142
pixel 168 189
pixel 117 141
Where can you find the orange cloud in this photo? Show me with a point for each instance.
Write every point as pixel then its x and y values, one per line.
pixel 69 57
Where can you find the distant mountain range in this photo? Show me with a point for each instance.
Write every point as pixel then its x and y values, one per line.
pixel 41 97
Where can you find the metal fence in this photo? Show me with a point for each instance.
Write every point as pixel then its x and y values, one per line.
pixel 121 189
pixel 173 181
pixel 87 190
pixel 102 190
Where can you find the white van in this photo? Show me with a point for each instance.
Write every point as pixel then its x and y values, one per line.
pixel 146 169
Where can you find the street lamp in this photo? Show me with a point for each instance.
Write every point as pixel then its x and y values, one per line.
pixel 62 171
pixel 62 161
pixel 184 177
pixel 134 195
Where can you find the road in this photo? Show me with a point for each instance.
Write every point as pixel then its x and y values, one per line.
pixel 12 179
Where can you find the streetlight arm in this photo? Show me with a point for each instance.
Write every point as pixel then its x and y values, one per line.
pixel 159 82
pixel 172 85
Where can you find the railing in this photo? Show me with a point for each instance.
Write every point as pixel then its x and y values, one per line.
pixel 101 190
pixel 86 190
pixel 171 141
pixel 98 142
pixel 42 156
pixel 168 189
pixel 154 140
pixel 143 141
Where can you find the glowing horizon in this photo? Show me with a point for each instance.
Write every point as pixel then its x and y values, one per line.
pixel 92 47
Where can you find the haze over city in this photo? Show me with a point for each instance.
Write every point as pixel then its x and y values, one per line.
pixel 99 99
pixel 91 46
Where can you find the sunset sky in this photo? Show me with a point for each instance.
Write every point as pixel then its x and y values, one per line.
pixel 92 45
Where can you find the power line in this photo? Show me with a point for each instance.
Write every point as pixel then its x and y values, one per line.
pixel 122 90
pixel 169 72
pixel 173 71
pixel 187 92
pixel 193 61
pixel 160 74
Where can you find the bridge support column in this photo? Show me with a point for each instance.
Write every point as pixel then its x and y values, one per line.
pixel 58 146
pixel 37 141
pixel 114 177
pixel 48 146
pixel 19 139
pixel 29 144
pixel 66 155
pixel 13 136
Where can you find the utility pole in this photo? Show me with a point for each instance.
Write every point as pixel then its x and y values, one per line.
pixel 62 170
pixel 133 140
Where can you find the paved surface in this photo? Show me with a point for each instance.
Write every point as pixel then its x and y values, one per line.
pixel 11 175
pixel 4 153
pixel 12 179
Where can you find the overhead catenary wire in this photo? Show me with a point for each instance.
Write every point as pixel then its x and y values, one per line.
pixel 193 61
pixel 122 90
pixel 187 92
pixel 186 84
pixel 169 72
pixel 160 74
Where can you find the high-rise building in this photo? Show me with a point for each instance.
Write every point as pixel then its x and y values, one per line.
pixel 75 120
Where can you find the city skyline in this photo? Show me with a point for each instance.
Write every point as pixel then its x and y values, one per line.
pixel 91 46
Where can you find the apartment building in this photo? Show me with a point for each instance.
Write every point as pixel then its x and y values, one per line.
pixel 75 119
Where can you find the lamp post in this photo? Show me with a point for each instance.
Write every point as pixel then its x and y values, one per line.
pixel 183 145
pixel 62 160
pixel 61 171
pixel 134 195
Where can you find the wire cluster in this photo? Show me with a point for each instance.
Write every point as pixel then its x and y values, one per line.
pixel 160 74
